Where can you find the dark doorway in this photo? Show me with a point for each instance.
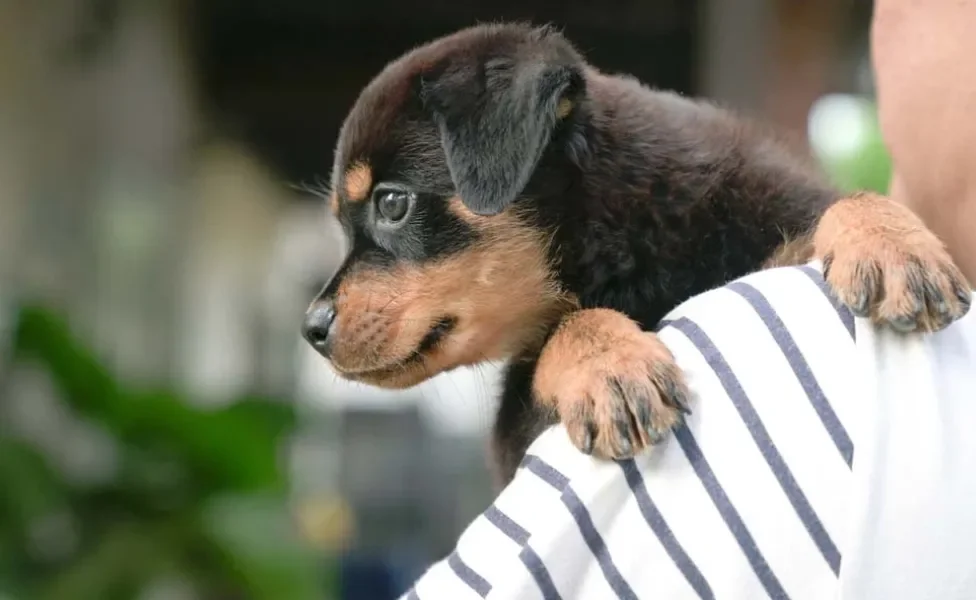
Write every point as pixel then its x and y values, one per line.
pixel 280 76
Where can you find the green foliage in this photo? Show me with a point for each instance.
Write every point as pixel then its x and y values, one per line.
pixel 199 495
pixel 866 166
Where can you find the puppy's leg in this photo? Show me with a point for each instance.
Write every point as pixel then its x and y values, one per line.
pixel 615 387
pixel 519 420
pixel 883 262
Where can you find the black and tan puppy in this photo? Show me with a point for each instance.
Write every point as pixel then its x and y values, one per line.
pixel 502 199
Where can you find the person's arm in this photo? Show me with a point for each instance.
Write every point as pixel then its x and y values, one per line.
pixel 748 500
pixel 923 52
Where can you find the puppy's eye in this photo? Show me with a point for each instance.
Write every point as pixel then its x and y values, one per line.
pixel 393 205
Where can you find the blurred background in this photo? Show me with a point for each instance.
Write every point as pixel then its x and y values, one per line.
pixel 164 433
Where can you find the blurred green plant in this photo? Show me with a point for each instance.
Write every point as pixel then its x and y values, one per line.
pixel 199 496
pixel 846 136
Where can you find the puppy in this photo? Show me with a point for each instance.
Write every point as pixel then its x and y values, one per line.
pixel 503 199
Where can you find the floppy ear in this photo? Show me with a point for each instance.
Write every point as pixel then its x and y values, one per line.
pixel 495 121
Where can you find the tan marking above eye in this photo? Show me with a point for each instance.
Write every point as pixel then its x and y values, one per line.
pixel 358 181
pixel 564 107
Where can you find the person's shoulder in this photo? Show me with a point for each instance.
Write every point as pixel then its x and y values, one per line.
pixel 797 293
pixel 785 312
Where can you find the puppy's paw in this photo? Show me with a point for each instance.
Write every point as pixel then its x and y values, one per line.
pixel 883 263
pixel 615 387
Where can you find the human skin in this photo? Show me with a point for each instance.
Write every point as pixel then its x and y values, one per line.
pixel 924 54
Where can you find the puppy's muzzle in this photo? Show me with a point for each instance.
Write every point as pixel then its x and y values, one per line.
pixel 318 329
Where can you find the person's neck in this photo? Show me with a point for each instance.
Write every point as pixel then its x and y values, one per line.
pixel 953 220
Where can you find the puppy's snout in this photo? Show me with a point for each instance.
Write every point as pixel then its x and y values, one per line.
pixel 319 326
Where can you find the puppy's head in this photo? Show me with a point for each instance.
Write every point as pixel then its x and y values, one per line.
pixel 447 264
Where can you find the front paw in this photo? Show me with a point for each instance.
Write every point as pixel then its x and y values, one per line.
pixel 615 387
pixel 883 263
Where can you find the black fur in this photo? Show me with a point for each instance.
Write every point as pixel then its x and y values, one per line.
pixel 649 197
pixel 519 419
pixel 496 117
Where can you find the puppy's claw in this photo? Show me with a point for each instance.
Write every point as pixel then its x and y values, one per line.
pixel 860 306
pixel 644 416
pixel 680 399
pixel 965 297
pixel 654 437
pixel 904 324
pixel 827 261
pixel 589 433
pixel 624 445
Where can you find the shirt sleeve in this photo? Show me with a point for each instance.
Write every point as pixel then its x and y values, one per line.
pixel 913 527
pixel 746 500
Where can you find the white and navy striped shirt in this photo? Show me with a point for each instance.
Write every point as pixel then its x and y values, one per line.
pixel 759 494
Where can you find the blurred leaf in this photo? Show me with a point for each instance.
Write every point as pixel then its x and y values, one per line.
pixel 30 488
pixel 260 544
pixel 41 336
pixel 275 416
pixel 232 449
pixel 155 516
pixel 125 557
pixel 10 591
pixel 234 446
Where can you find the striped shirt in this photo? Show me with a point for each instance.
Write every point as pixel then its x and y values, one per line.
pixel 758 495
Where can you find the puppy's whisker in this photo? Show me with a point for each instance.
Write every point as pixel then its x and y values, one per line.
pixel 315 189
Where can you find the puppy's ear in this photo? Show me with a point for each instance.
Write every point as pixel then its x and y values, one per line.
pixel 496 119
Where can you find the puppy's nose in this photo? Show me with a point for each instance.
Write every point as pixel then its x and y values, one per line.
pixel 317 328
